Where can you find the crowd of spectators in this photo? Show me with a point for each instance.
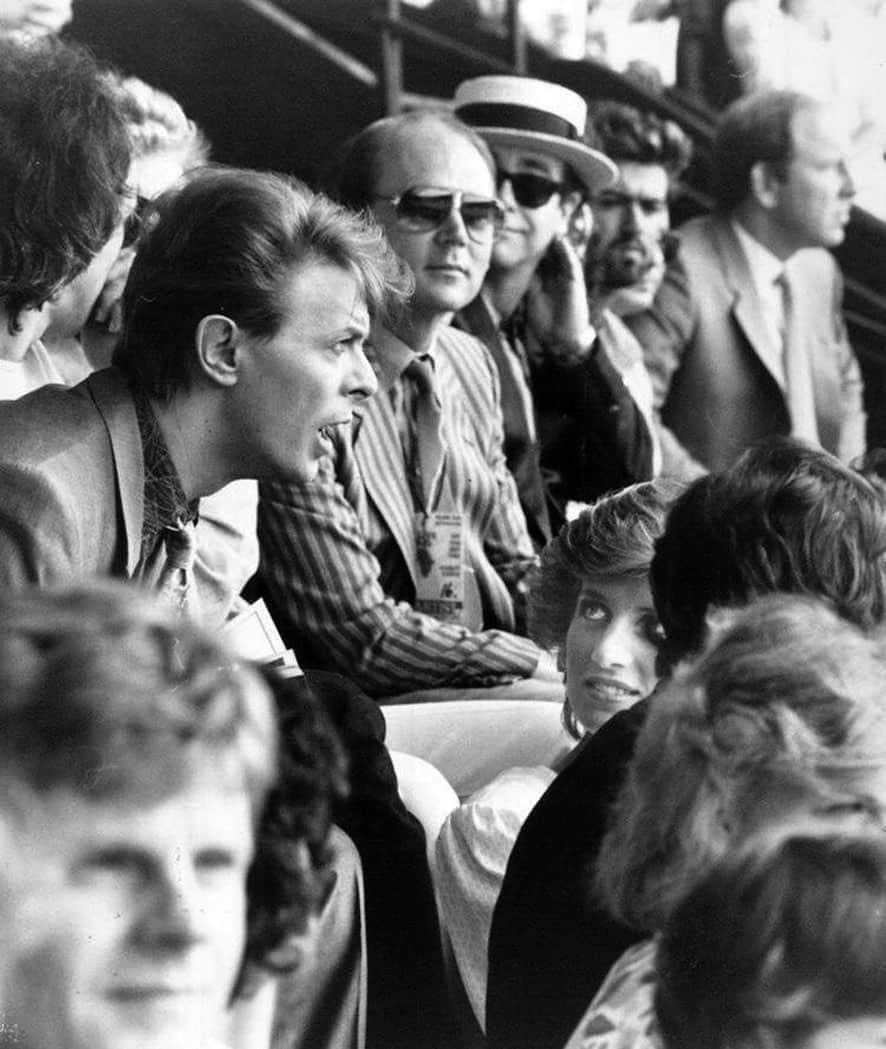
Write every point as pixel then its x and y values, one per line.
pixel 321 509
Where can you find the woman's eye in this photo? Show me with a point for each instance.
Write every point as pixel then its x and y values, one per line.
pixel 592 611
pixel 652 630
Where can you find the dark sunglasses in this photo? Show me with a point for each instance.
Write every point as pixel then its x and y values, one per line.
pixel 530 191
pixel 423 210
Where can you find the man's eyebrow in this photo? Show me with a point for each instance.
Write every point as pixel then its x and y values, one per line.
pixel 110 853
pixel 353 329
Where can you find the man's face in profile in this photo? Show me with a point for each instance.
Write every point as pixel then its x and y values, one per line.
pixel 125 918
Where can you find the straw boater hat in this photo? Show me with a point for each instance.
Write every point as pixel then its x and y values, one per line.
pixel 534 114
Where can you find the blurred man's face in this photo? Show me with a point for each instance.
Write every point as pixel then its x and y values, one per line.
pixel 630 220
pixel 126 919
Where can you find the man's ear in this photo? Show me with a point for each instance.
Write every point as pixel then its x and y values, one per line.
pixel 765 184
pixel 218 342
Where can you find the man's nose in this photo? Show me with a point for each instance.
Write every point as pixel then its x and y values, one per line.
pixel 173 915
pixel 363 381
pixel 631 216
pixel 506 194
pixel 452 229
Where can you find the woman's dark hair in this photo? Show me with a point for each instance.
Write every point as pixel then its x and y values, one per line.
pixel 64 159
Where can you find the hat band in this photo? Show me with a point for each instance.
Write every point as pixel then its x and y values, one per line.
pixel 517 118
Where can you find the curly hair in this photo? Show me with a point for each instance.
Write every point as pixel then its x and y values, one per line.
pixel 225 242
pixel 784 518
pixel 64 159
pixel 289 875
pixel 784 711
pixel 637 136
pixel 773 943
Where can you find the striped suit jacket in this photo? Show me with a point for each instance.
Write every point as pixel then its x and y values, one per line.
pixel 338 555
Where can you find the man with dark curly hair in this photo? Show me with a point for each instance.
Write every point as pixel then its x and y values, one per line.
pixel 628 244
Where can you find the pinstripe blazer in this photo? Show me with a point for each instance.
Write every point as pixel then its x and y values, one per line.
pixel 338 555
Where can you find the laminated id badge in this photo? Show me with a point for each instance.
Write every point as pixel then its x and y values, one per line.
pixel 440 580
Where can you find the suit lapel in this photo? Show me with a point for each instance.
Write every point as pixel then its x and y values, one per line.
pixel 116 407
pixel 384 479
pixel 745 305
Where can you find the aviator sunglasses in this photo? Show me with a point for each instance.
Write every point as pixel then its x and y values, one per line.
pixel 530 190
pixel 422 210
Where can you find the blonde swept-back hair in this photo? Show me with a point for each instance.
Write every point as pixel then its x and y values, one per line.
pixel 784 708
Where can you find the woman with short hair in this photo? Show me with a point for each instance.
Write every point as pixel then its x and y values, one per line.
pixel 589 601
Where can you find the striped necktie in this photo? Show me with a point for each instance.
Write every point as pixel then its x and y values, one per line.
pixel 428 448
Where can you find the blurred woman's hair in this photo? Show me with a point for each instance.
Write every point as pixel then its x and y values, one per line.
pixel 784 712
pixel 775 942
pixel 157 123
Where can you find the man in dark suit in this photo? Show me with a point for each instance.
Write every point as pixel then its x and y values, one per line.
pixel 746 338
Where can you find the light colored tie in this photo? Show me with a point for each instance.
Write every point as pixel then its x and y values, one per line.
pixel 797 371
pixel 174 583
pixel 429 448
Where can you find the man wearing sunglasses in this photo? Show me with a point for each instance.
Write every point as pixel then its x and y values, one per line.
pixel 402 566
pixel 533 313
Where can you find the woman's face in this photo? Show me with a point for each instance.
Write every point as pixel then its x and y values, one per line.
pixel 611 648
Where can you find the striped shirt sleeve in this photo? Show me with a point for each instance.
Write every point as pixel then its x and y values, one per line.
pixel 324 583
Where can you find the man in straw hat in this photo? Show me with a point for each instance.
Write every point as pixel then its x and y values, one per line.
pixel 533 311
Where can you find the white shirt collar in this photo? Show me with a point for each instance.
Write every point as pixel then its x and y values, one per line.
pixel 765 267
